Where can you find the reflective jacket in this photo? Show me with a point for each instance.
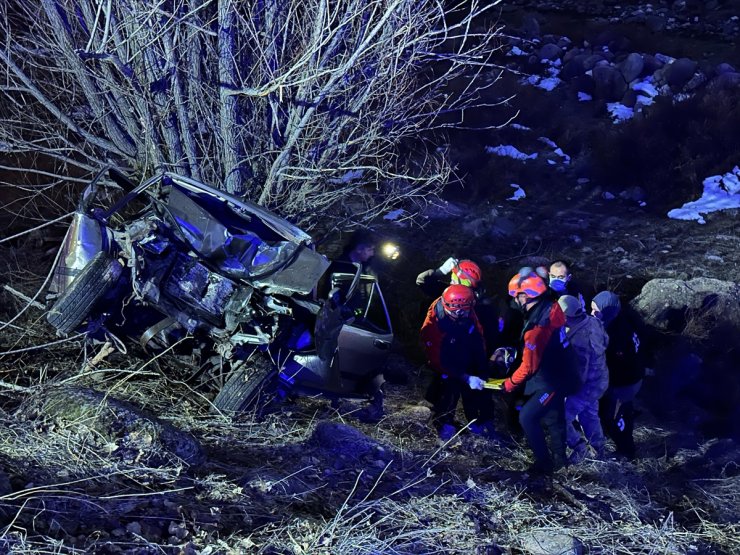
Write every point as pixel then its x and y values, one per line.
pixel 542 327
pixel 454 348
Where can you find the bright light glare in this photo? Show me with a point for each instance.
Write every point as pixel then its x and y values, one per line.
pixel 391 251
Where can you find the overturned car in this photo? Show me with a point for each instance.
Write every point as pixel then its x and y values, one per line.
pixel 173 264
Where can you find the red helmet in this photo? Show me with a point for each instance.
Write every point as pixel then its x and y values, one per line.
pixel 458 298
pixel 466 272
pixel 530 284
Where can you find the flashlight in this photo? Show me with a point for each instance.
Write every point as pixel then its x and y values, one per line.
pixel 390 251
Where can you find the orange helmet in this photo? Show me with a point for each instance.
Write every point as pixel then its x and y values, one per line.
pixel 466 272
pixel 530 284
pixel 457 299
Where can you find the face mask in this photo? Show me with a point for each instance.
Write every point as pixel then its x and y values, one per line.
pixel 558 284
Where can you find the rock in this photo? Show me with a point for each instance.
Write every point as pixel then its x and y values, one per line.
pixel 350 441
pixel 549 542
pixel 724 68
pixel 650 65
pixel 574 67
pixel 679 72
pixel 592 60
pixel 550 52
pixel 635 193
pixel 609 83
pixel 655 23
pixel 728 81
pixel 630 98
pixel 584 83
pixel 631 67
pixel 671 304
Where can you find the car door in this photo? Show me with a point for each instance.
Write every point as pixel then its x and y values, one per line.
pixel 364 342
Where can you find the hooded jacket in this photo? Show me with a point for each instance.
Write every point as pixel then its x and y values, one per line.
pixel 589 340
pixel 623 356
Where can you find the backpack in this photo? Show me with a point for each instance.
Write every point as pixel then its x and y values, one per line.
pixel 559 365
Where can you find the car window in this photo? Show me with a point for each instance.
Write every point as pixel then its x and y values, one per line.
pixel 366 302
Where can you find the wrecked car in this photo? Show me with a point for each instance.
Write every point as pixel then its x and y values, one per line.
pixel 173 264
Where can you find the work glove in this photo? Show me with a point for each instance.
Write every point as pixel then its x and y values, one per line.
pixel 475 382
pixel 446 268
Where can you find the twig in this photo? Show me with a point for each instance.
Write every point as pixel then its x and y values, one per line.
pixel 23 297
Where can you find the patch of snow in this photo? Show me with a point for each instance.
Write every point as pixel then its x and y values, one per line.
pixel 619 111
pixel 548 142
pixel 394 214
pixel 510 151
pixel 608 196
pixel 584 97
pixel 546 83
pixel 518 193
pixel 516 51
pixel 721 192
pixel 520 127
pixel 351 175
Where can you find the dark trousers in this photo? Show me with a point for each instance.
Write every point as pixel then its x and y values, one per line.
pixel 617 414
pixel 444 394
pixel 618 421
pixel 545 411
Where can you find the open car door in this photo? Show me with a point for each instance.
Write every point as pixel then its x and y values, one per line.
pixel 365 342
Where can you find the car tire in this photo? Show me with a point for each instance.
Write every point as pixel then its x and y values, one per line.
pixel 91 285
pixel 246 386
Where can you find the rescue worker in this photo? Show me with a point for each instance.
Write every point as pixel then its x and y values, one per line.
pixel 501 324
pixel 561 282
pixel 626 372
pixel 546 372
pixel 452 339
pixel 589 341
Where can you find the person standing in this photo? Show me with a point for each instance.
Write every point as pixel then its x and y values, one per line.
pixel 626 372
pixel 452 339
pixel 545 372
pixel 589 341
pixel 501 325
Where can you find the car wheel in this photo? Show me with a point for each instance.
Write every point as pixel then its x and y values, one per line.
pixel 247 385
pixel 91 285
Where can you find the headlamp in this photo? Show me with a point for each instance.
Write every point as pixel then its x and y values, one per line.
pixel 390 251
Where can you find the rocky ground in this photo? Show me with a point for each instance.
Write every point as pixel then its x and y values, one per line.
pixel 165 476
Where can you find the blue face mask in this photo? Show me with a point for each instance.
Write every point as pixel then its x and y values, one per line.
pixel 558 285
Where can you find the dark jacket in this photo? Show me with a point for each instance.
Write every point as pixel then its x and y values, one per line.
pixel 453 347
pixel 541 367
pixel 589 341
pixel 623 356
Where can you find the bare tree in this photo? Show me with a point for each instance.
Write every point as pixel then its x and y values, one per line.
pixel 308 107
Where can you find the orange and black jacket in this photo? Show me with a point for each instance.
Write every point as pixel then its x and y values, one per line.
pixel 542 327
pixel 454 348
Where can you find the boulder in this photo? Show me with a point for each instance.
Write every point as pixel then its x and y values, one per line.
pixel 695 307
pixel 631 67
pixel 550 51
pixel 727 81
pixel 679 72
pixel 609 83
